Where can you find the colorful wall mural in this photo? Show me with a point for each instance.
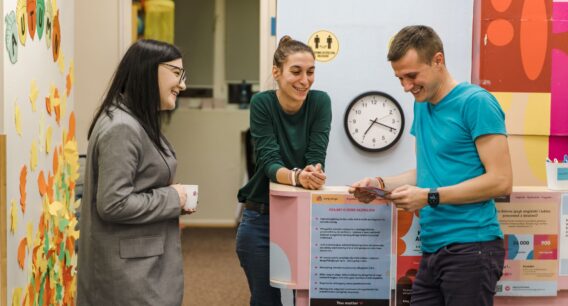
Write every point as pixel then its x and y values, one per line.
pixel 42 160
pixel 523 61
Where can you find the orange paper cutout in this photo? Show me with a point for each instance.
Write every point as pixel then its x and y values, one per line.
pixel 68 84
pixel 50 180
pixel 55 161
pixel 41 227
pixel 56 36
pixel 31 8
pixel 34 255
pixel 42 186
pixel 71 126
pixel 23 175
pixel 22 252
pixel 48 105
pixel 47 290
pixel 57 113
pixel 70 244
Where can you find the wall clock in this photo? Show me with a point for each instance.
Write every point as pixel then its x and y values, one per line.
pixel 374 121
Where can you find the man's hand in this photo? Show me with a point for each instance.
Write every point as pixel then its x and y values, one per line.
pixel 409 198
pixel 364 197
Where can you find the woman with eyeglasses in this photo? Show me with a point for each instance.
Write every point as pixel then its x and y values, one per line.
pixel 290 128
pixel 129 250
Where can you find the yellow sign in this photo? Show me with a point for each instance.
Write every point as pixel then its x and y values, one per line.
pixel 325 45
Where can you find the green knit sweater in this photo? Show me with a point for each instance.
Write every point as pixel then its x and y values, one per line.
pixel 285 140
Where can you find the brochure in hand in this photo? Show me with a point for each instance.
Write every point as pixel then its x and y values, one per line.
pixel 370 190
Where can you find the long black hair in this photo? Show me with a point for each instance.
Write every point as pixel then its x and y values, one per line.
pixel 134 86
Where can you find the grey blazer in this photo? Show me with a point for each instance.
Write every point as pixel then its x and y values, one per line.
pixel 129 248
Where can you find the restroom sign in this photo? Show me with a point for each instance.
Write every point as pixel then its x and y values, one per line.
pixel 325 45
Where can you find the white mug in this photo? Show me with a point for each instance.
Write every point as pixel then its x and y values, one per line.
pixel 192 197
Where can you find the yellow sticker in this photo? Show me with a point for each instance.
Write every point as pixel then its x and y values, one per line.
pixel 55 207
pixel 48 134
pixel 16 297
pixel 21 20
pixel 33 155
pixel 325 45
pixel 34 91
pixel 41 134
pixel 61 62
pixel 13 216
pixel 18 119
pixel 30 232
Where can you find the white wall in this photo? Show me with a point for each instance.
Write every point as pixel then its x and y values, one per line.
pixel 102 33
pixel 364 29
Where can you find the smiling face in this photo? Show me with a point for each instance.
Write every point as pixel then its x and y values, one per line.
pixel 169 76
pixel 295 77
pixel 424 81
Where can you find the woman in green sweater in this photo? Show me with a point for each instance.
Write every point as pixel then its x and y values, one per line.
pixel 290 128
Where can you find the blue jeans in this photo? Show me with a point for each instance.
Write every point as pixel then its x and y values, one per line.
pixel 459 274
pixel 253 250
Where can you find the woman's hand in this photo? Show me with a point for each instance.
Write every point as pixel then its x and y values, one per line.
pixel 182 194
pixel 312 177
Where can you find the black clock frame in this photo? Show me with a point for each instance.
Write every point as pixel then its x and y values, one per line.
pixel 355 100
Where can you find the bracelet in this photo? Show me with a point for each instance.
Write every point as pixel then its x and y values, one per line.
pixel 381 182
pixel 294 176
pixel 298 172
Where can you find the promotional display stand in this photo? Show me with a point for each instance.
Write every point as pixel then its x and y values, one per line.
pixel 333 250
pixel 290 240
pixel 329 247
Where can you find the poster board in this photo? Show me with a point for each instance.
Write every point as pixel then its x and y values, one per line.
pixel 529 221
pixel 350 251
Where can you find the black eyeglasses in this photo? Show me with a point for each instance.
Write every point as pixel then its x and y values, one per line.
pixel 181 71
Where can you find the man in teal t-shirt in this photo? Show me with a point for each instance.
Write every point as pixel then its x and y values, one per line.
pixel 463 162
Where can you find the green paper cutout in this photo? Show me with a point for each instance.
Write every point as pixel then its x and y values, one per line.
pixel 40 11
pixel 11 37
pixel 48 23
pixel 63 224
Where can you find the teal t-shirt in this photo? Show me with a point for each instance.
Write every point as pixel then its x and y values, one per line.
pixel 285 140
pixel 446 155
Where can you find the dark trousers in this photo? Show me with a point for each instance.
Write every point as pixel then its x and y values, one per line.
pixel 459 274
pixel 253 251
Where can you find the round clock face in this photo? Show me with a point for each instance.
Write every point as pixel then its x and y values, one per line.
pixel 374 121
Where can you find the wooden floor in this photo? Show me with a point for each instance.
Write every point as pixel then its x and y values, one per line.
pixel 213 275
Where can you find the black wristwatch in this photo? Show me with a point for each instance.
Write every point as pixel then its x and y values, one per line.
pixel 433 197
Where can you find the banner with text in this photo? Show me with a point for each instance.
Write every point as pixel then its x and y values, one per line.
pixel 529 221
pixel 350 251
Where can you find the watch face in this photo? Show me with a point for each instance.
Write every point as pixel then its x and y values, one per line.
pixel 374 121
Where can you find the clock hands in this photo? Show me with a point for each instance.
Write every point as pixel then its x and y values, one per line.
pixel 370 126
pixel 390 127
pixel 375 121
